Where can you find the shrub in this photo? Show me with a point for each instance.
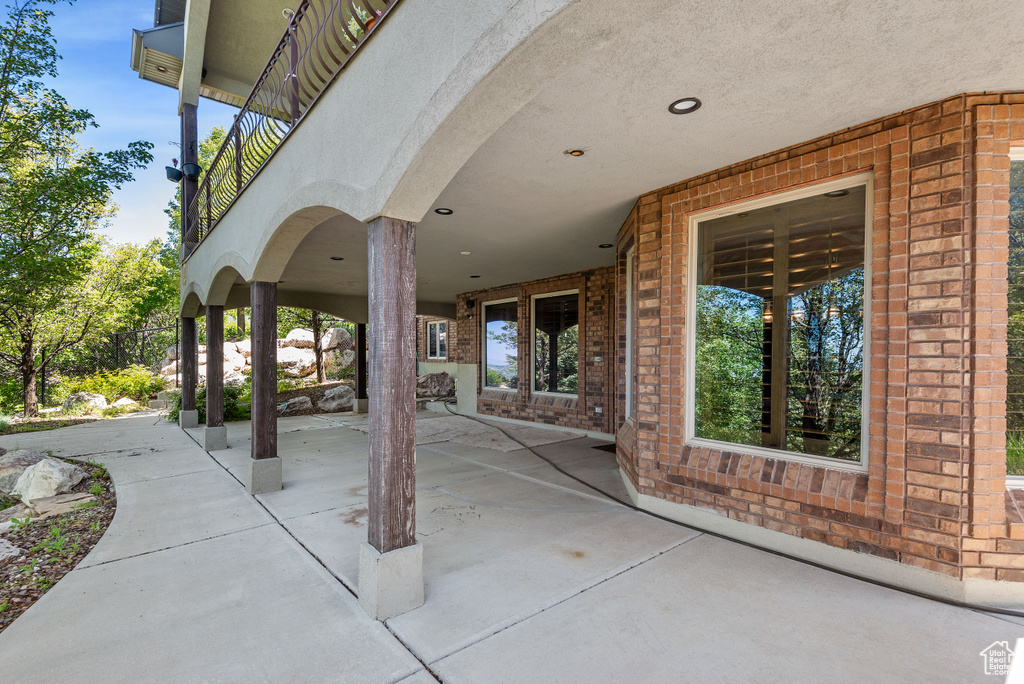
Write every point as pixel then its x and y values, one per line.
pixel 1014 453
pixel 10 395
pixel 237 400
pixel 134 382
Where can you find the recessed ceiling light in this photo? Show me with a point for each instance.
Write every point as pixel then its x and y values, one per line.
pixel 742 214
pixel 279 282
pixel 337 258
pixel 837 193
pixel 575 153
pixel 474 276
pixel 687 105
pixel 606 245
pixel 465 253
pixel 444 211
pixel 287 12
pixel 161 69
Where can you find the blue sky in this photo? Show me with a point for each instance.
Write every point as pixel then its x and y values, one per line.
pixel 94 37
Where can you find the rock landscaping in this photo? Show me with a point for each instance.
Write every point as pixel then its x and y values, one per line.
pixel 42 539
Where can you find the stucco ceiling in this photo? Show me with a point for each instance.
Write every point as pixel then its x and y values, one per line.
pixel 770 74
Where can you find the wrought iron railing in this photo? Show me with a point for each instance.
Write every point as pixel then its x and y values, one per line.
pixel 321 38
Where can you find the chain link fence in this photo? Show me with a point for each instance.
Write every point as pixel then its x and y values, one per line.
pixel 145 347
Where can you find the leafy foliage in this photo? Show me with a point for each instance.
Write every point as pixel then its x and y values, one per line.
pixel 134 382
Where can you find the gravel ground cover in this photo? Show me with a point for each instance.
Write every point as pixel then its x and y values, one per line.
pixel 53 547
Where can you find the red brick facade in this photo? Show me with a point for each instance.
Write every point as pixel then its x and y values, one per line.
pixel 934 493
pixel 596 362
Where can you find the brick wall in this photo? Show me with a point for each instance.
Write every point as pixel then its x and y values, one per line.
pixel 934 494
pixel 597 388
pixel 421 337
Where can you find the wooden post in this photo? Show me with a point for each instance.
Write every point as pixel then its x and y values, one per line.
pixel 392 304
pixel 214 366
pixel 189 364
pixel 360 361
pixel 264 369
pixel 189 155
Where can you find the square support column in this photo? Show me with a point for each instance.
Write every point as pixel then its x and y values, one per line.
pixel 362 404
pixel 264 466
pixel 215 436
pixel 391 565
pixel 188 417
pixel 189 188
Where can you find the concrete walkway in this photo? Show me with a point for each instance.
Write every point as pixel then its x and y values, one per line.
pixel 529 578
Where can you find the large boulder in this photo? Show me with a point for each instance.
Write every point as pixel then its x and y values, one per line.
pixel 234 378
pixel 47 478
pixel 294 405
pixel 336 338
pixel 233 360
pixel 296 363
pixel 84 401
pixel 303 339
pixel 337 360
pixel 126 403
pixel 244 348
pixel 171 352
pixel 434 385
pixel 340 398
pixel 13 464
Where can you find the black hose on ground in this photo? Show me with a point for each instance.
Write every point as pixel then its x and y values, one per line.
pixel 719 535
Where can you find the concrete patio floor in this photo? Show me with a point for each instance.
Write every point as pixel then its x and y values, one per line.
pixel 530 577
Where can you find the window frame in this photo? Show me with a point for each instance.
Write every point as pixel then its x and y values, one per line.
pixel 438 324
pixel 483 342
pixel 1013 481
pixel 533 343
pixel 803 192
pixel 630 370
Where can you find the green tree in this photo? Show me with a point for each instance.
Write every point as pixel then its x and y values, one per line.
pixel 101 284
pixel 56 281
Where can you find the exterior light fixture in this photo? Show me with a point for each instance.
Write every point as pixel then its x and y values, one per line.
pixel 474 276
pixel 687 105
pixel 444 211
pixel 287 12
pixel 837 193
pixel 606 245
pixel 742 214
pixel 337 258
pixel 191 171
pixel 161 68
pixel 465 253
pixel 575 153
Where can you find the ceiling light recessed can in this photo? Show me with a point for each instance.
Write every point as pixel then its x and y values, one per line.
pixel 465 253
pixel 444 211
pixel 337 258
pixel 161 68
pixel 606 245
pixel 474 276
pixel 686 105
pixel 837 193
pixel 575 153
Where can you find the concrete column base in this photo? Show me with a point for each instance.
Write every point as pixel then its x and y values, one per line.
pixel 390 583
pixel 264 475
pixel 188 419
pixel 360 406
pixel 215 438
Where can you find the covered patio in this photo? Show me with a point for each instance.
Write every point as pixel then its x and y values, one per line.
pixel 529 576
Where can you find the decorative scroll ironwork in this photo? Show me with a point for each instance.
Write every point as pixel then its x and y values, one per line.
pixel 322 36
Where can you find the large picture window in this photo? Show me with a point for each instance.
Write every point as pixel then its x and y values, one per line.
pixel 1015 322
pixel 556 346
pixel 778 340
pixel 437 340
pixel 501 344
